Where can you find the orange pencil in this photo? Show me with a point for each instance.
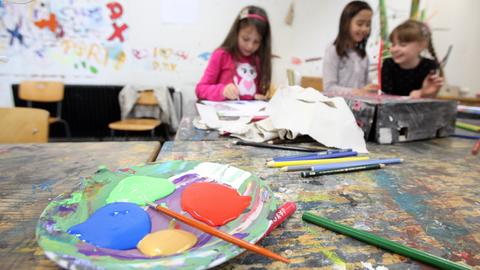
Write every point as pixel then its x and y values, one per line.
pixel 476 148
pixel 217 233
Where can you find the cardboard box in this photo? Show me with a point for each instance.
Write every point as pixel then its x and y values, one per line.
pixel 389 119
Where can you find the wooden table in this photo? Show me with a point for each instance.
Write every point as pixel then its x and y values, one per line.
pixel 430 202
pixel 33 174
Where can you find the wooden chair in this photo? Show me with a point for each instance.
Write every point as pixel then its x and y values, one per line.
pixel 138 124
pixel 314 82
pixel 45 91
pixel 23 125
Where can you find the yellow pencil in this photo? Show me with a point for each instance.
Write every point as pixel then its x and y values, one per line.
pixel 278 164
pixel 467 126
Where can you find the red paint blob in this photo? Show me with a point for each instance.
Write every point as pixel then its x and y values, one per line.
pixel 213 203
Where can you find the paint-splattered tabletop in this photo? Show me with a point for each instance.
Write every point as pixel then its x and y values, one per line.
pixel 33 174
pixel 430 202
pixel 187 132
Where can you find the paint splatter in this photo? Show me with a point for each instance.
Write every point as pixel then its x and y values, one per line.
pixel 141 189
pixel 166 242
pixel 116 226
pixel 213 203
pixel 93 70
pixel 205 56
pixel 296 61
pixel 370 267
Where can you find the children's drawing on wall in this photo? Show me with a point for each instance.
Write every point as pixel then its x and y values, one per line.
pixel 160 58
pixel 61 37
pixel 204 56
pixel 81 39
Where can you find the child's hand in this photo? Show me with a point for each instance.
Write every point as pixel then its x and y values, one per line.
pixel 431 85
pixel 416 94
pixel 230 91
pixel 260 97
pixel 368 89
pixel 371 88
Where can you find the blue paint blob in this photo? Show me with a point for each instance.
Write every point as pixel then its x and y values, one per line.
pixel 119 225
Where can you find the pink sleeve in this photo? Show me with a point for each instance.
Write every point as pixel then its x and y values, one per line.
pixel 209 87
pixel 259 75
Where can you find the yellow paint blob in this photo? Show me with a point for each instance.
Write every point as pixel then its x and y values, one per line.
pixel 166 242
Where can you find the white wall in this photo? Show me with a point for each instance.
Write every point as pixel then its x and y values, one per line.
pixel 79 56
pixel 457 23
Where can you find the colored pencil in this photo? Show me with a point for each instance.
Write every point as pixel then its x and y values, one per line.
pixel 380 242
pixel 275 146
pixel 319 155
pixel 467 126
pixel 466 136
pixel 324 167
pixel 344 170
pixel 468 109
pixel 282 213
pixel 217 233
pixel 296 168
pixel 476 148
pixel 274 164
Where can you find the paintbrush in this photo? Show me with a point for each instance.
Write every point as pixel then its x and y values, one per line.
pixel 217 233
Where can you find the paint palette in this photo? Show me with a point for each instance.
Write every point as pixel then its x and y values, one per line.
pixel 76 207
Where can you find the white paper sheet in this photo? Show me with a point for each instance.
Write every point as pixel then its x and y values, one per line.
pixel 327 120
pixel 234 108
pixel 210 118
pixel 208 115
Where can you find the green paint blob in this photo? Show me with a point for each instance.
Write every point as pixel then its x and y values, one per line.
pixel 93 69
pixel 141 189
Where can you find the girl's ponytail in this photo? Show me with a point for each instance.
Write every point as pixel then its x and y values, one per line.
pixel 431 50
pixel 427 34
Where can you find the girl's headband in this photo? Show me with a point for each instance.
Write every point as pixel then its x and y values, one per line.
pixel 425 31
pixel 244 15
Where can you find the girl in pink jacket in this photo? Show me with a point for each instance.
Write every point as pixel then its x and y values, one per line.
pixel 241 67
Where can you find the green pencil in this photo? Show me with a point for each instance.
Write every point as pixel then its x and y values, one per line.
pixel 378 241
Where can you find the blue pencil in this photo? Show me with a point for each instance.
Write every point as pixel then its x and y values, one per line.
pixel 323 167
pixel 472 137
pixel 318 155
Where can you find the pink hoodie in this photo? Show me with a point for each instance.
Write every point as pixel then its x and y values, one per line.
pixel 222 69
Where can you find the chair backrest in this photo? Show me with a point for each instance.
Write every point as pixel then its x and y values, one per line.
pixel 147 97
pixel 41 91
pixel 23 125
pixel 314 82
